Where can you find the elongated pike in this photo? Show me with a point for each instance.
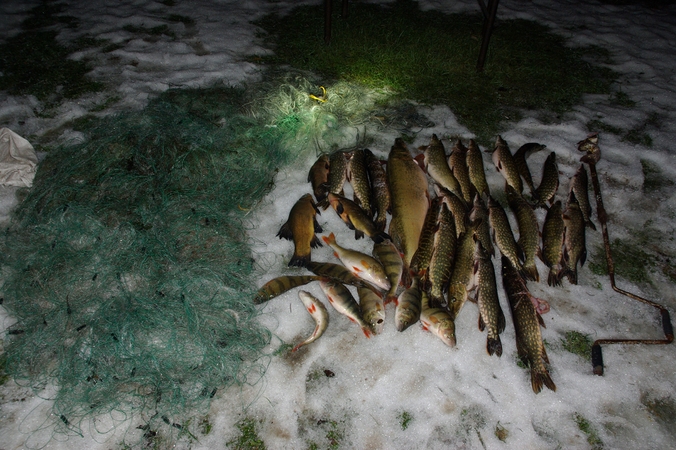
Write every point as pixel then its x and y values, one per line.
pixel 579 185
pixel 529 232
pixel 390 258
pixel 574 248
pixel 410 200
pixel 372 309
pixel 441 263
pixel 318 312
pixel 355 218
pixel 301 228
pixel 491 316
pixel 475 165
pixel 549 183
pixel 319 177
pixel 504 162
pixel 502 234
pixel 520 160
pixel 337 175
pixel 357 175
pixel 362 265
pixel 552 244
pixel 379 189
pixel 527 323
pixel 462 280
pixel 437 166
pixel 437 321
pixel 342 301
pixel 457 161
pixel 479 216
pixel 458 208
pixel 421 259
pixel 280 285
pixel 407 311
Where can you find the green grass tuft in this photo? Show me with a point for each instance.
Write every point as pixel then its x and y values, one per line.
pixel 577 343
pixel 431 57
pixel 592 435
pixel 405 419
pixel 248 438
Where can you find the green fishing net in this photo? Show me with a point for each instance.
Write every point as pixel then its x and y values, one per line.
pixel 127 264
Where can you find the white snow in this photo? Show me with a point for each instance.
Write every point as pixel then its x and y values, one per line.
pixel 456 397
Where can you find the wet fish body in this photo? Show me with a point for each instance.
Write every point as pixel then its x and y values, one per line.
pixel 337 175
pixel 462 281
pixel 407 311
pixel 504 162
pixel 441 263
pixel 319 177
pixel 301 227
pixel 379 189
pixel 437 166
pixel 372 309
pixel 529 232
pixel 475 166
pixel 520 159
pixel 438 321
pixel 278 286
pixel 362 265
pixel 574 248
pixel 355 218
pixel 457 161
pixel 337 272
pixel 502 233
pixel 318 312
pixel 357 175
pixel 550 181
pixel 342 301
pixel 529 344
pixel 552 243
pixel 458 208
pixel 479 216
pixel 390 258
pixel 579 185
pixel 491 316
pixel 421 259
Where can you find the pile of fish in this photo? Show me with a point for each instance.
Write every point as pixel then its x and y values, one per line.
pixel 444 227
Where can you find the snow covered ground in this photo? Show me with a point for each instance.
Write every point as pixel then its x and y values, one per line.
pixel 446 398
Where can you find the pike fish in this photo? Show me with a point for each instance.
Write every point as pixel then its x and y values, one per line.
pixel 502 234
pixel 342 301
pixel 318 312
pixel 438 321
pixel 457 206
pixel 319 177
pixel 520 158
pixel 301 228
pixel 337 175
pixel 437 166
pixel 362 265
pixel 457 161
pixel 504 162
pixel 462 280
pixel 529 232
pixel 278 286
pixel 527 323
pixel 475 165
pixel 355 218
pixel 410 200
pixel 372 309
pixel 421 259
pixel 579 185
pixel 479 216
pixel 357 175
pixel 574 247
pixel 549 183
pixel 379 189
pixel 390 258
pixel 552 243
pixel 441 263
pixel 491 316
pixel 407 311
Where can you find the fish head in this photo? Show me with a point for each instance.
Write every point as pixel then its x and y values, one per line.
pixel 404 319
pixel 446 332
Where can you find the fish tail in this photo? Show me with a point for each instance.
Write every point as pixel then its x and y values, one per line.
pixel 381 236
pixel 330 239
pixel 435 301
pixel 494 346
pixel 590 224
pixel 323 203
pixel 300 261
pixel 571 274
pixel 531 272
pixel 554 278
pixel 390 299
pixel 539 378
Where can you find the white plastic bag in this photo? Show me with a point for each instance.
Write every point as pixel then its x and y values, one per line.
pixel 18 159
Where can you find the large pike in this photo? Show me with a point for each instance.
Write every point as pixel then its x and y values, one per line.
pixel 491 316
pixel 527 322
pixel 504 162
pixel 520 158
pixel 357 175
pixel 579 185
pixel 379 189
pixel 372 309
pixel 301 228
pixel 441 263
pixel 362 265
pixel 410 200
pixel 529 232
pixel 457 161
pixel 421 259
pixel 355 218
pixel 479 216
pixel 337 175
pixel 437 166
pixel 318 312
pixel 390 258
pixel 552 244
pixel 407 311
pixel 574 248
pixel 475 165
pixel 549 183
pixel 278 286
pixel 438 321
pixel 502 233
pixel 342 301
pixel 457 206
pixel 462 281
pixel 319 177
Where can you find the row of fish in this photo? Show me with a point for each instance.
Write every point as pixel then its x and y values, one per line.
pixel 438 251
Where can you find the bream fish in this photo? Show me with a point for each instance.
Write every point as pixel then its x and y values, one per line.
pixel 319 177
pixel 301 228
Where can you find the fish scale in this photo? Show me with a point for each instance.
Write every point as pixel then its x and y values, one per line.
pixel 457 161
pixel 475 166
pixel 379 189
pixel 549 184
pixel 502 233
pixel 529 232
pixel 579 185
pixel 504 162
pixel 337 175
pixel 441 262
pixel 358 178
pixel 552 243
pixel 437 166
pixel 421 259
pixel 461 282
pixel 574 249
pixel 491 316
pixel 479 215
